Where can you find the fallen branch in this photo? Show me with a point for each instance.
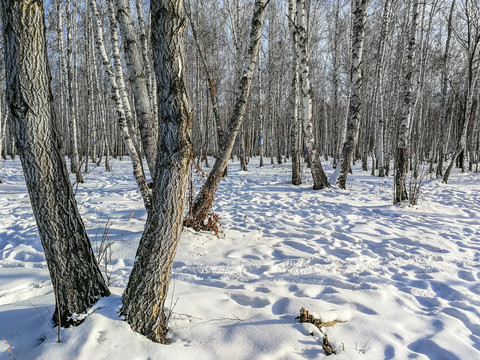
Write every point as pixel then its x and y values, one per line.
pixel 327 347
pixel 305 317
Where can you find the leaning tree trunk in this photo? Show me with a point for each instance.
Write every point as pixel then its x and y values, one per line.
pixel 77 281
pixel 401 156
pixel 146 292
pixel 359 16
pixel 138 172
pixel 138 79
pixel 319 178
pixel 204 200
pixel 118 67
pixel 294 99
pixel 211 86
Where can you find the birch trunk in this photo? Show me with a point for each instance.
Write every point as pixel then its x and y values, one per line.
pixel 147 61
pixel 443 101
pixel 243 153
pixel 2 124
pixel 71 94
pixel 401 156
pixel 91 113
pixel 146 292
pixel 379 75
pixel 105 149
pixel 138 173
pixel 261 116
pixel 147 126
pixel 3 148
pixel 118 68
pixel 468 116
pixel 359 17
pixel 77 280
pixel 204 200
pixel 319 178
pixel 210 84
pixel 61 70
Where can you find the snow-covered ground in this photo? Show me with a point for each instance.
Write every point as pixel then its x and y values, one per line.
pixel 405 280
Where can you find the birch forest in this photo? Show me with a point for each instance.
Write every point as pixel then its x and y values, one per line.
pixel 184 89
pixel 390 84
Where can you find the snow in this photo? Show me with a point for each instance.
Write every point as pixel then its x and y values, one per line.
pixel 404 280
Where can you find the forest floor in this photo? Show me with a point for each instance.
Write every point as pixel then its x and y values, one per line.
pixel 405 280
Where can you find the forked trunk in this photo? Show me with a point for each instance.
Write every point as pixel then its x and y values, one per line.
pixel 146 292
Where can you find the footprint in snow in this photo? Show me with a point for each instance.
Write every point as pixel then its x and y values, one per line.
pixel 254 302
pixel 466 275
pixel 281 306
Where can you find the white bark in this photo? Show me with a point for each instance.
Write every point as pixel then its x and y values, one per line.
pixel 118 67
pixel 294 98
pixel 443 102
pixel 135 68
pixel 261 120
pixel 147 61
pixel 203 201
pixel 71 94
pixel 138 173
pixel 319 178
pixel 401 157
pixel 359 16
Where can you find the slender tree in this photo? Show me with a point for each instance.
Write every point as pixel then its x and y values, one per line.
pixel 443 102
pixel 294 97
pixel 138 172
pixel 319 178
pixel 401 156
pixel 472 48
pixel 138 79
pixel 359 16
pixel 204 200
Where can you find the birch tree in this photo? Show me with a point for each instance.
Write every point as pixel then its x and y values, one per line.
pixel 319 178
pixel 472 49
pixel 204 200
pixel 71 93
pixel 359 16
pixel 138 172
pixel 294 97
pixel 146 292
pixel 380 91
pixel 77 281
pixel 443 102
pixel 401 156
pixel 135 68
